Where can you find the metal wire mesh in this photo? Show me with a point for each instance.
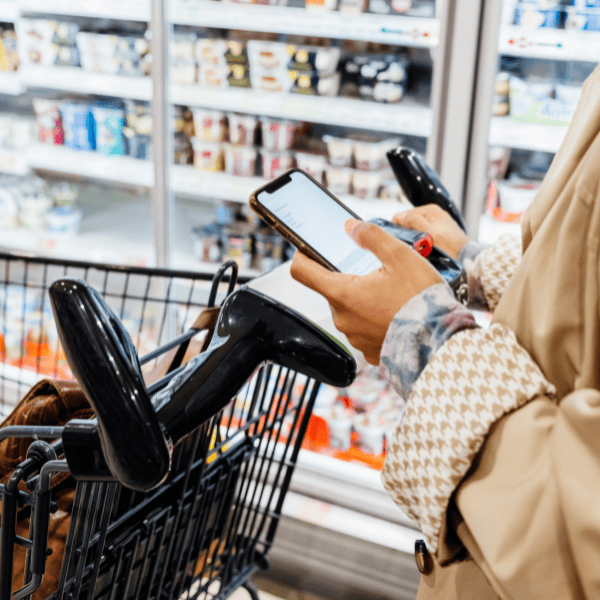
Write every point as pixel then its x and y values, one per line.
pixel 154 305
pixel 203 532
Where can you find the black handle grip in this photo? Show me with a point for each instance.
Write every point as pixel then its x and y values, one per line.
pixel 133 435
pixel 252 329
pixel 420 183
pixel 104 361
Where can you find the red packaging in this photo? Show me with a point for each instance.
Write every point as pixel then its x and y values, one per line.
pixel 275 163
pixel 49 121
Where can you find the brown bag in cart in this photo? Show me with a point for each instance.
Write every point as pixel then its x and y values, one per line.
pixel 46 403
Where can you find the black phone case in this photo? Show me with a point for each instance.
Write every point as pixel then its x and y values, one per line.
pixel 452 272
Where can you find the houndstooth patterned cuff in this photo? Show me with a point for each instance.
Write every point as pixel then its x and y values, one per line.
pixel 497 265
pixel 472 380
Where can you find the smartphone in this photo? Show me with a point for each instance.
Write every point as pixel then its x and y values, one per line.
pixel 312 219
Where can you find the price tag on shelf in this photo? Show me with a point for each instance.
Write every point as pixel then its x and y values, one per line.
pixel 45 245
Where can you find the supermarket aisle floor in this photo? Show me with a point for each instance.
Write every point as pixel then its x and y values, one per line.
pixel 276 592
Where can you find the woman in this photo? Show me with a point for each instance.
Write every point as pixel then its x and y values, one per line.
pixel 498 454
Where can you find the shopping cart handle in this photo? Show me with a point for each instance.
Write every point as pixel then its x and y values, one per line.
pixel 133 437
pixel 252 329
pixel 420 183
pixel 127 440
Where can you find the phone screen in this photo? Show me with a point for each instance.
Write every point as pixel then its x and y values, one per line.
pixel 319 220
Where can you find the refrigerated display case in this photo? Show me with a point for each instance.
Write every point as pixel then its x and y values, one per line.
pixel 72 179
pixel 533 61
pixel 275 85
pixel 354 80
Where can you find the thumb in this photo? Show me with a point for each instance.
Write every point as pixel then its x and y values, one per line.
pixel 371 237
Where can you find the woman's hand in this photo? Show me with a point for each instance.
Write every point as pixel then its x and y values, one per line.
pixel 363 307
pixel 433 219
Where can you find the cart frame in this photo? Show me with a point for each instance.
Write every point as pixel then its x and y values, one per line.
pixel 204 531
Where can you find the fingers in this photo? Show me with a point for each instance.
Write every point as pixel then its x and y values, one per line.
pixel 420 217
pixel 313 275
pixel 371 237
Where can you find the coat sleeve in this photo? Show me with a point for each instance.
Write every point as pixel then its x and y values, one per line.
pixel 474 379
pixel 489 270
pixel 529 509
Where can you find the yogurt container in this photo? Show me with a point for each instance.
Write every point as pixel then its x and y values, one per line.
pixel 516 195
pixel 313 164
pixel 110 120
pixel 338 181
pixel 240 160
pixel 49 121
pixel 275 163
pixel 277 134
pixel 78 126
pixel 340 150
pixel 268 250
pixel 209 125
pixel 207 243
pixel 208 156
pixel 237 246
pixel 242 129
pixel 366 184
pixel 64 221
pixel 370 153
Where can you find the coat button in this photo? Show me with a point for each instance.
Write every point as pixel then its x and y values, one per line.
pixel 423 558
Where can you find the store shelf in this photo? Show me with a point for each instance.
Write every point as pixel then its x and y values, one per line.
pixel 549 43
pixel 385 29
pixel 100 247
pixel 505 131
pixel 119 235
pixel 129 10
pixel 490 229
pixel 9 10
pixel 408 117
pixel 75 79
pixel 186 180
pixel 10 83
pixel 195 183
pixel 13 162
pixel 116 169
pixel 220 186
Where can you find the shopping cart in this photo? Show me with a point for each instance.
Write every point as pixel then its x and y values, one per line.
pixel 208 524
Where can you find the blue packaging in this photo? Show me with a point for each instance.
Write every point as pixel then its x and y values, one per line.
pixel 533 18
pixel 110 121
pixel 593 21
pixel 78 126
pixel 138 146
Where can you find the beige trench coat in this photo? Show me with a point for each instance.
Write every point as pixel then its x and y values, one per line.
pixel 528 512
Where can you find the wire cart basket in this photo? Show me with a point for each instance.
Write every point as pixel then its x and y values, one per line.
pixel 203 532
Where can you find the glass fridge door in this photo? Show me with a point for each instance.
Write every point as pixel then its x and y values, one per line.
pixel 75 130
pixel 532 69
pixel 258 87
